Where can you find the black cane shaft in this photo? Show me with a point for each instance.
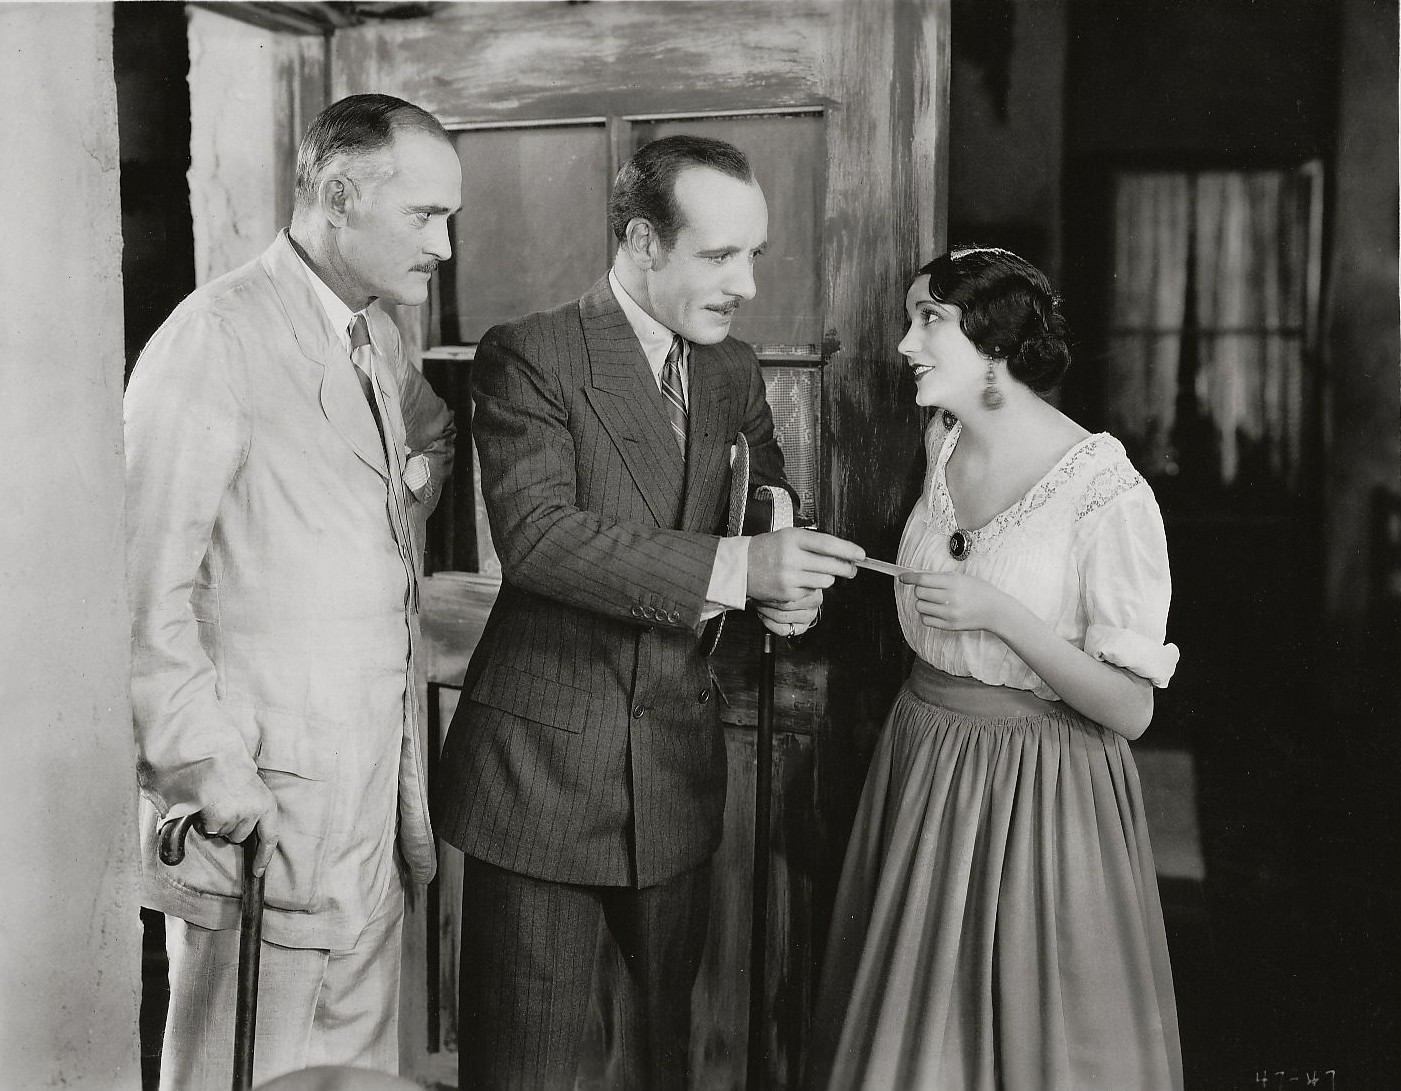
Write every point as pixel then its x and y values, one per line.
pixel 250 938
pixel 759 932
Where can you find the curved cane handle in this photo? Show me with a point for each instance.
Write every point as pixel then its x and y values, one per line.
pixel 170 838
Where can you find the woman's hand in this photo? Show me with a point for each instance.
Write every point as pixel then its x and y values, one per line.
pixel 1112 697
pixel 953 601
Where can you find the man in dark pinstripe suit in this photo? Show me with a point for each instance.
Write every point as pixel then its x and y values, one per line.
pixel 584 773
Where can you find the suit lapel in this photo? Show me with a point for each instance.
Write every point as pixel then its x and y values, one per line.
pixel 629 405
pixel 342 399
pixel 708 458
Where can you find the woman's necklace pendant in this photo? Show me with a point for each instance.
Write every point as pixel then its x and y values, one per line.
pixel 960 544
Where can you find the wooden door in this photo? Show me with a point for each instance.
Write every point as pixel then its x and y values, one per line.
pixel 842 106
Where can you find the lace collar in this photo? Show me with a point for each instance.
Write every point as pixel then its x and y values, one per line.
pixel 1066 469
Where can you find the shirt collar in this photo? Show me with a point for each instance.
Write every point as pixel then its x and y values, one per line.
pixel 651 334
pixel 337 313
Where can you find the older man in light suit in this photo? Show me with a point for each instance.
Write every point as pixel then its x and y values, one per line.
pixel 282 458
pixel 584 772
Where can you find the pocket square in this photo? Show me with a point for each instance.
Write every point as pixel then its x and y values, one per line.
pixel 417 474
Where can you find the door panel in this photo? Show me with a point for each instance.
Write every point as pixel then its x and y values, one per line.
pixel 842 106
pixel 532 227
pixel 507 62
pixel 789 154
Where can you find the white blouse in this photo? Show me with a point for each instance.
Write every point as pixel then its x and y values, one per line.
pixel 1084 550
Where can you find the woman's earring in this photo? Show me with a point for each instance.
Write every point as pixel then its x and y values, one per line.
pixel 992 397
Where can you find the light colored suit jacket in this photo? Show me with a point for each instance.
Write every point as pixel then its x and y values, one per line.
pixel 274 556
pixel 588 747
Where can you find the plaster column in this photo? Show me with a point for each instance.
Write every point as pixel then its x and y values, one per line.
pixel 71 948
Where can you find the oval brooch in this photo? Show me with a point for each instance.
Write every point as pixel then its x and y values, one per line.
pixel 960 544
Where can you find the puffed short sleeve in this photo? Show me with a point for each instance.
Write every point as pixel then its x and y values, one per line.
pixel 1126 586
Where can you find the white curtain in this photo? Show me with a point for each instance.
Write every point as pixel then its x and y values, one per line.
pixel 1152 214
pixel 1251 251
pixel 1246 236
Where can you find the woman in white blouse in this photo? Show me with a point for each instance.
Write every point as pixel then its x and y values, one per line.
pixel 997 924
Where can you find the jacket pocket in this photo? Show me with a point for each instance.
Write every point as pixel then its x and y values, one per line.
pixel 297 764
pixel 534 697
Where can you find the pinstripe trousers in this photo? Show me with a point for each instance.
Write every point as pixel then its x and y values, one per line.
pixel 530 949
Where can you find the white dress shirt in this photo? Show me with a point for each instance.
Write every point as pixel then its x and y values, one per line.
pixel 416 472
pixel 729 579
pixel 337 313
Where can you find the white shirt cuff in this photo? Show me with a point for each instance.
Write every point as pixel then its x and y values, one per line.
pixel 729 579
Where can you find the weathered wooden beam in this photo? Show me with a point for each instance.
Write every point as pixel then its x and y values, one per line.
pixel 483 62
pixel 288 18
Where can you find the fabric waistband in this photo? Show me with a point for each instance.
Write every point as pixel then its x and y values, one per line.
pixel 969 697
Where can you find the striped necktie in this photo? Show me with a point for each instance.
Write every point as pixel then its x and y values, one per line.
pixel 363 357
pixel 673 390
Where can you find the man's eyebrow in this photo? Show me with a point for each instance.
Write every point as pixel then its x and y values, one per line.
pixel 715 251
pixel 435 209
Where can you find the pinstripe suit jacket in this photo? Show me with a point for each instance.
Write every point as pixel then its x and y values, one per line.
pixel 587 748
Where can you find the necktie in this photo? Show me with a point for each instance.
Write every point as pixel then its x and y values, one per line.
pixel 362 355
pixel 673 391
pixel 363 358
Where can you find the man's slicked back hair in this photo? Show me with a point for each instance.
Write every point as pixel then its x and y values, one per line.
pixel 353 128
pixel 646 186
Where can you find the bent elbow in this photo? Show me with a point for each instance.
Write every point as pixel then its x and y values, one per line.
pixel 1136 719
pixel 1133 730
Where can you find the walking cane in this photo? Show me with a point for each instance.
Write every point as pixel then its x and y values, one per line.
pixel 757 1076
pixel 759 918
pixel 171 846
pixel 782 516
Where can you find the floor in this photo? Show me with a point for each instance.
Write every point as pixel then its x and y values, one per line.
pixel 1284 979
pixel 1284 916
pixel 1287 953
pixel 1278 988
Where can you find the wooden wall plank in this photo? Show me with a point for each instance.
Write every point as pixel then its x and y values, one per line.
pixel 871 248
pixel 720 1027
pixel 931 66
pixel 886 74
pixel 455 608
pixel 474 63
pixel 799 677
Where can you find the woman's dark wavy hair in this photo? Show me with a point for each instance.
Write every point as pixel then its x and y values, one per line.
pixel 1008 310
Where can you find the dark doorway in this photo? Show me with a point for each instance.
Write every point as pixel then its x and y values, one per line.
pixel 151 62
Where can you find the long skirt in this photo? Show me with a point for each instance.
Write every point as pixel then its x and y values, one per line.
pixel 997 924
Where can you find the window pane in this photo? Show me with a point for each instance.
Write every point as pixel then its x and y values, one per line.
pixel 1210 312
pixel 795 396
pixel 789 156
pixel 533 232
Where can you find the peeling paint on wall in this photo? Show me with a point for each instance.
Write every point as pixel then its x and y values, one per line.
pixel 252 91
